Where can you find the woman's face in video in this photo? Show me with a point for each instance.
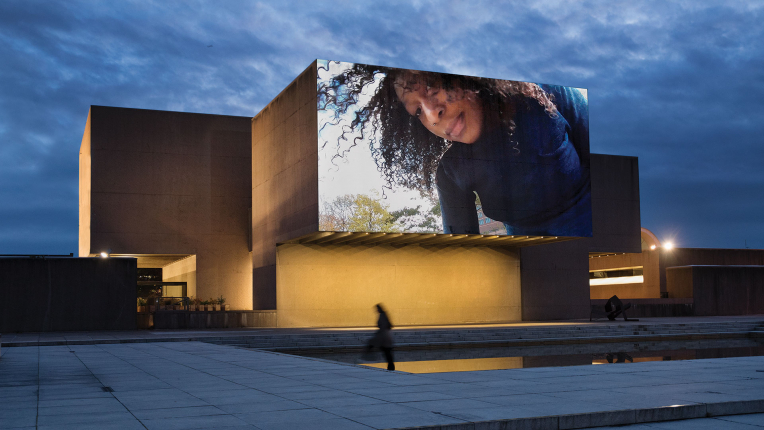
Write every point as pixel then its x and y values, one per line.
pixel 453 114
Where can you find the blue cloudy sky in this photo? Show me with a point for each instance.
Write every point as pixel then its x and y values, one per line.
pixel 680 84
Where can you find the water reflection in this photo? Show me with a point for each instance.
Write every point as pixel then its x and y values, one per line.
pixel 471 359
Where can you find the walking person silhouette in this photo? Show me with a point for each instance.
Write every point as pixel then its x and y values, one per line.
pixel 383 338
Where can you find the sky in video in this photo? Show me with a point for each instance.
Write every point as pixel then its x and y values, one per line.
pixel 678 84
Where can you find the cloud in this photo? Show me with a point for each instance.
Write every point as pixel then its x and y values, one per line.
pixel 678 84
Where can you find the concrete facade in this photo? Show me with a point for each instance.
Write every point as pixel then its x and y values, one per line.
pixel 555 277
pixel 719 290
pixel 707 256
pixel 648 259
pixel 166 186
pixel 616 218
pixel 657 262
pixel 338 285
pixel 284 179
pixel 66 294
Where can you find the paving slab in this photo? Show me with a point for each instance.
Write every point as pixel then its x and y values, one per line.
pixel 203 385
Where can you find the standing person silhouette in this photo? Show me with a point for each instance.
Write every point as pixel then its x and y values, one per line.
pixel 383 338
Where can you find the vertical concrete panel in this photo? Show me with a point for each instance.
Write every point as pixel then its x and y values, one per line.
pixel 708 256
pixel 680 284
pixel 336 285
pixel 555 277
pixel 84 191
pixel 284 179
pixel 615 204
pixel 727 290
pixel 555 281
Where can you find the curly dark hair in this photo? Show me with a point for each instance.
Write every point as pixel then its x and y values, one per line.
pixel 405 152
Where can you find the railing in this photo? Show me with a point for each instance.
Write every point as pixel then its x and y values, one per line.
pixel 153 304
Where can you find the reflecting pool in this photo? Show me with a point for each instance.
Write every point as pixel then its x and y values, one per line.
pixel 429 360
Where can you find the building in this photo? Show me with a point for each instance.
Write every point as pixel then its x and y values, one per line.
pixel 172 190
pixel 709 281
pixel 229 205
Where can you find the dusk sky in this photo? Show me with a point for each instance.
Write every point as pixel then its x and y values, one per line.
pixel 678 84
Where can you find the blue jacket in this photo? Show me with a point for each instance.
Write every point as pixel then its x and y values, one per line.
pixel 537 183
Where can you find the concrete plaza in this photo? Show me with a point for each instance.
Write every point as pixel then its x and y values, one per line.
pixel 166 385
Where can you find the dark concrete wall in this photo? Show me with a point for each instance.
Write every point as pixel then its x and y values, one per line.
pixel 707 256
pixel 616 220
pixel 725 290
pixel 284 179
pixel 679 282
pixel 67 294
pixel 155 182
pixel 554 281
pixel 555 277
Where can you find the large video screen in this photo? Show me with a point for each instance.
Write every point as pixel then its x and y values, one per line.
pixel 422 152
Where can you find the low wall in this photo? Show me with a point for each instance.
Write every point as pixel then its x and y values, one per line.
pixel 641 290
pixel 67 294
pixel 646 308
pixel 720 290
pixel 204 319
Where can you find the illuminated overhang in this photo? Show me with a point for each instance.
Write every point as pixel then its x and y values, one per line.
pixel 423 239
pixel 152 260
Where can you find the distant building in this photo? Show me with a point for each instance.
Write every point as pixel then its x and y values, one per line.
pixel 713 281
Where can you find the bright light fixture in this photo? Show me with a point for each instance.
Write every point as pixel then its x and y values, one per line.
pixel 668 246
pixel 652 247
pixel 104 254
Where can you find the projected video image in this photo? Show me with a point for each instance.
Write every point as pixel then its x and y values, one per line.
pixel 414 152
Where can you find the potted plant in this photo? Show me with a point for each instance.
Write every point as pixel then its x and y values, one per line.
pixel 221 303
pixel 141 304
pixel 216 303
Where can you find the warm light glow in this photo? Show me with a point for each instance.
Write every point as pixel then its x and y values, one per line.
pixel 652 247
pixel 104 254
pixel 668 246
pixel 618 280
